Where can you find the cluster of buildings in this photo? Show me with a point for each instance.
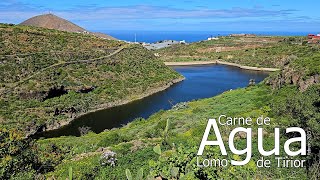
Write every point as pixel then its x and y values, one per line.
pixel 162 44
pixel 212 38
pixel 314 38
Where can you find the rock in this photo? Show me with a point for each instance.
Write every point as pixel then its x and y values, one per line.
pixel 252 82
pixel 100 149
pixel 56 112
pixel 295 79
pixel 305 84
pixel 84 130
pixel 182 105
pixel 86 89
pixel 289 76
pixel 317 78
pixel 242 135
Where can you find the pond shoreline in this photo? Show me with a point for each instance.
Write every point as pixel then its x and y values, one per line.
pixel 192 63
pixel 129 99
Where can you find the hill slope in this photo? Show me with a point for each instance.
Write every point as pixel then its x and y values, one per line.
pixel 165 145
pixel 259 51
pixel 52 21
pixel 178 132
pixel 48 77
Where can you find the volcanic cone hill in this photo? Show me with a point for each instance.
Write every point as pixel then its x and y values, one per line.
pixel 52 21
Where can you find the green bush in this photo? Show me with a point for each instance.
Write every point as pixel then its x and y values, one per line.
pixel 113 138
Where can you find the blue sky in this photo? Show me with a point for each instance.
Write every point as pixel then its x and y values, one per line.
pixel 173 15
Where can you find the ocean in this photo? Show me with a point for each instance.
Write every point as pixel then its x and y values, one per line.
pixel 188 36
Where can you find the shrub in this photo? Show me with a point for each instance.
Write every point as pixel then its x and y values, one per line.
pixel 113 138
pixel 20 155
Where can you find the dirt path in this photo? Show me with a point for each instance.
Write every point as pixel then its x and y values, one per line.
pixel 69 62
pixel 191 63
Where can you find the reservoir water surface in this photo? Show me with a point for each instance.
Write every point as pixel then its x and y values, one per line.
pixel 201 82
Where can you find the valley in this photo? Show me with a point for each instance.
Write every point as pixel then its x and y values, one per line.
pixel 49 78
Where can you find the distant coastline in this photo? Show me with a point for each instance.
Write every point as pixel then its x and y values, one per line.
pixel 191 63
pixel 188 36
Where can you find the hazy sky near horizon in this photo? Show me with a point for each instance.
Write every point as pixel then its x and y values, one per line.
pixel 177 15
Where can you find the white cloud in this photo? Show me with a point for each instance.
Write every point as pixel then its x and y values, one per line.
pixel 93 17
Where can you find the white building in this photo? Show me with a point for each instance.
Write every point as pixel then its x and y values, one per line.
pixel 212 38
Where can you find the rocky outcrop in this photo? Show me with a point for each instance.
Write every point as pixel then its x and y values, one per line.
pixel 290 76
pixel 86 89
pixel 55 92
pixel 44 95
pixel 310 81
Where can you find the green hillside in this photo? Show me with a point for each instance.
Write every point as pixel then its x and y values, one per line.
pixel 178 132
pixel 165 145
pixel 59 79
pixel 48 77
pixel 134 143
pixel 259 51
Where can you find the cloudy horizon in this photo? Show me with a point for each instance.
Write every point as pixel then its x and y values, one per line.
pixel 187 15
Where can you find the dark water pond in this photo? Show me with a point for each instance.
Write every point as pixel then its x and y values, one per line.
pixel 201 82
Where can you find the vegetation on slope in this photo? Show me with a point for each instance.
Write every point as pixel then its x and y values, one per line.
pixel 272 52
pixel 164 145
pixel 49 76
pixel 178 133
pixel 16 40
pixel 134 144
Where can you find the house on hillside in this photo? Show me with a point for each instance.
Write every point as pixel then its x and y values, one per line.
pixel 314 39
pixel 212 38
